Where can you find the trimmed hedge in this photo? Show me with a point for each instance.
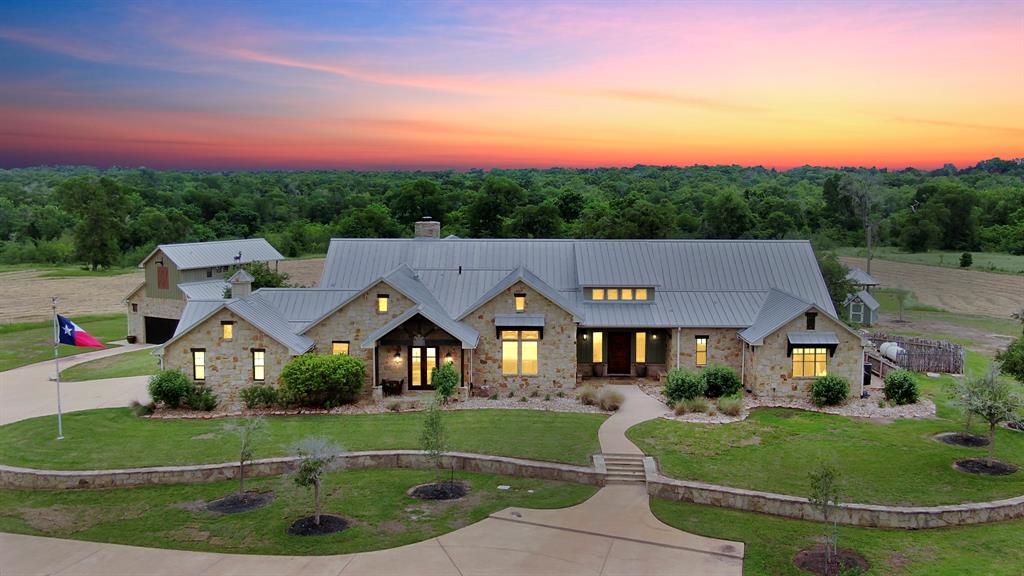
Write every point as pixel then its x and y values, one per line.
pixel 720 381
pixel 901 387
pixel 830 390
pixel 322 380
pixel 683 385
pixel 170 388
pixel 259 396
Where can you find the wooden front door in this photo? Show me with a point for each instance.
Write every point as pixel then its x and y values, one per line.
pixel 618 352
pixel 422 361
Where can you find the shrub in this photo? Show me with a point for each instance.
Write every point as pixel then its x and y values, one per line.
pixel 140 409
pixel 587 395
pixel 610 399
pixel 679 409
pixel 322 380
pixel 720 381
pixel 731 406
pixel 829 390
pixel 560 394
pixel 966 260
pixel 683 385
pixel 524 399
pixel 901 387
pixel 698 404
pixel 170 388
pixel 535 393
pixel 547 397
pixel 201 398
pixel 259 396
pixel 445 379
pixel 494 396
pixel 394 406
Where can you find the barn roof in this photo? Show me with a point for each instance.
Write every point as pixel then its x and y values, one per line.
pixel 193 255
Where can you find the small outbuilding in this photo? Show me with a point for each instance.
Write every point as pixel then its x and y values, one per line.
pixel 861 308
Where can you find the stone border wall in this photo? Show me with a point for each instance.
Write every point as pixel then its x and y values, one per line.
pixel 864 515
pixel 32 479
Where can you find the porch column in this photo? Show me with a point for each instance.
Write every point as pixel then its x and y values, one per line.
pixel 373 369
pixel 679 335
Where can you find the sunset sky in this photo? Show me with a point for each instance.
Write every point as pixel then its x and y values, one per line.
pixel 297 85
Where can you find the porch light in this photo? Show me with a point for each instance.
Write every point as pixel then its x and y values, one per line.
pixel 585 336
pixel 398 356
pixel 654 336
pixel 448 357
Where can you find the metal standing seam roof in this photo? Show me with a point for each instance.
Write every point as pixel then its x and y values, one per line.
pixel 193 255
pixel 205 290
pixel 463 332
pixel 778 309
pixel 195 312
pixel 861 278
pixel 523 275
pixel 519 320
pixel 269 321
pixel 866 298
pixel 813 337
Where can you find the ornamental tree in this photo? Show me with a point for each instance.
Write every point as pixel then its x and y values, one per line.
pixel 315 455
pixel 248 431
pixel 994 400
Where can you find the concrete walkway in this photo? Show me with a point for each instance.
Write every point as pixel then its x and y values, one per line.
pixel 28 391
pixel 612 533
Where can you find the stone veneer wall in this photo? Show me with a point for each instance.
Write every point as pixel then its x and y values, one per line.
pixel 723 348
pixel 354 321
pixel 772 369
pixel 556 351
pixel 228 362
pixel 156 307
pixel 31 479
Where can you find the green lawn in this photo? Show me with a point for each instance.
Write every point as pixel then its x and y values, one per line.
pixel 166 516
pixel 137 363
pixel 984 261
pixel 65 271
pixel 881 463
pixel 114 438
pixel 771 543
pixel 913 311
pixel 29 342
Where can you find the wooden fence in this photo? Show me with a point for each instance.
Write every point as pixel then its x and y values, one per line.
pixel 924 355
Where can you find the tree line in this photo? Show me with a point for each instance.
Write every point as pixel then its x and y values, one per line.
pixel 115 217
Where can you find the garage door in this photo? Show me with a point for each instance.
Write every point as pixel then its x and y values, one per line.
pixel 159 330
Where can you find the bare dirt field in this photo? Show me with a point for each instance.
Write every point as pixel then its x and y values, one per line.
pixel 25 294
pixel 957 291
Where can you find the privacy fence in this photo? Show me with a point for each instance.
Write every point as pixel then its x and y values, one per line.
pixel 923 354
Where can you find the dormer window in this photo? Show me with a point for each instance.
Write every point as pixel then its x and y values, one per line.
pixel 520 302
pixel 619 294
pixel 626 293
pixel 597 294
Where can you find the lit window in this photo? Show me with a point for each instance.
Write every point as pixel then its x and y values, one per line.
pixel 258 359
pixel 520 302
pixel 199 364
pixel 641 293
pixel 641 347
pixel 519 350
pixel 597 294
pixel 598 347
pixel 809 362
pixel 227 330
pixel 613 293
pixel 702 350
pixel 382 303
pixel 339 348
pixel 627 293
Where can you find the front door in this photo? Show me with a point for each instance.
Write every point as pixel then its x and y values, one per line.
pixel 618 352
pixel 422 361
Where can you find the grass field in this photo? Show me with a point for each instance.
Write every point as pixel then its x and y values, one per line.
pixel 56 271
pixel 771 543
pixel 987 261
pixel 114 438
pixel 375 500
pixel 137 363
pixel 30 342
pixel 881 462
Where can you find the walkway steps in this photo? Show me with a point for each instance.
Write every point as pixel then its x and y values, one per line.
pixel 624 469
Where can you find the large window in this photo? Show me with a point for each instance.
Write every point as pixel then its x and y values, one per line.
pixel 701 350
pixel 259 358
pixel 620 294
pixel 641 347
pixel 598 347
pixel 809 362
pixel 227 330
pixel 519 352
pixel 338 347
pixel 382 303
pixel 199 364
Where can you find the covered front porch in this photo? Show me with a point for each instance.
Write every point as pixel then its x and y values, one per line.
pixel 621 352
pixel 408 349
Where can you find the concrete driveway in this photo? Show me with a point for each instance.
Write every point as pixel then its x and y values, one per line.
pixel 28 391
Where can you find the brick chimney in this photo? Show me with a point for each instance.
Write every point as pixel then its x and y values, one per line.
pixel 427 227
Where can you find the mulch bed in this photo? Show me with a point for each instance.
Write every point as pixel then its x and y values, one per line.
pixel 1018 426
pixel 985 466
pixel 329 524
pixel 962 439
pixel 446 490
pixel 813 560
pixel 234 503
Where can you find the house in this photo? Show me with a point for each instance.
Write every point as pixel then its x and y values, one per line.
pixel 177 273
pixel 861 307
pixel 523 315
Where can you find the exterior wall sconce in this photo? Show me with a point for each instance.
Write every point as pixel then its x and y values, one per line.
pixel 586 336
pixel 448 357
pixel 398 356
pixel 654 336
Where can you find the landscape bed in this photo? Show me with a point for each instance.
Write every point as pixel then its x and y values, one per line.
pixel 115 438
pixel 375 502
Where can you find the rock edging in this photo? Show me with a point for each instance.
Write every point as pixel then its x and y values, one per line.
pixel 12 477
pixel 863 515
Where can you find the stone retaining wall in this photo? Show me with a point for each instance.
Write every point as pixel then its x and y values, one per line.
pixel 865 515
pixel 32 479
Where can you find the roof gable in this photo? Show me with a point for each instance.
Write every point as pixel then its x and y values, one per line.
pixel 191 255
pixel 530 279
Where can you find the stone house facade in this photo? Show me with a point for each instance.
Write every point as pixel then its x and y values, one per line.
pixel 523 315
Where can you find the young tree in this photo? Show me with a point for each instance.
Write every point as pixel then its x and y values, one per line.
pixel 994 400
pixel 445 378
pixel 99 205
pixel 247 431
pixel 316 453
pixel 901 296
pixel 824 496
pixel 434 438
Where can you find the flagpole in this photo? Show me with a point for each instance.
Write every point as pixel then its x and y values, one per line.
pixel 56 366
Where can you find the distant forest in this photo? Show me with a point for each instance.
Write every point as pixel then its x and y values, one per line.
pixel 114 217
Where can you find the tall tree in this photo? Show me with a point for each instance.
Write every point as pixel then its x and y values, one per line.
pixel 727 215
pixel 100 206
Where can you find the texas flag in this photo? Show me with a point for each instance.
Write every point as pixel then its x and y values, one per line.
pixel 72 335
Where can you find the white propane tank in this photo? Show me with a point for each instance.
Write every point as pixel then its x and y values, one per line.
pixel 891 350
